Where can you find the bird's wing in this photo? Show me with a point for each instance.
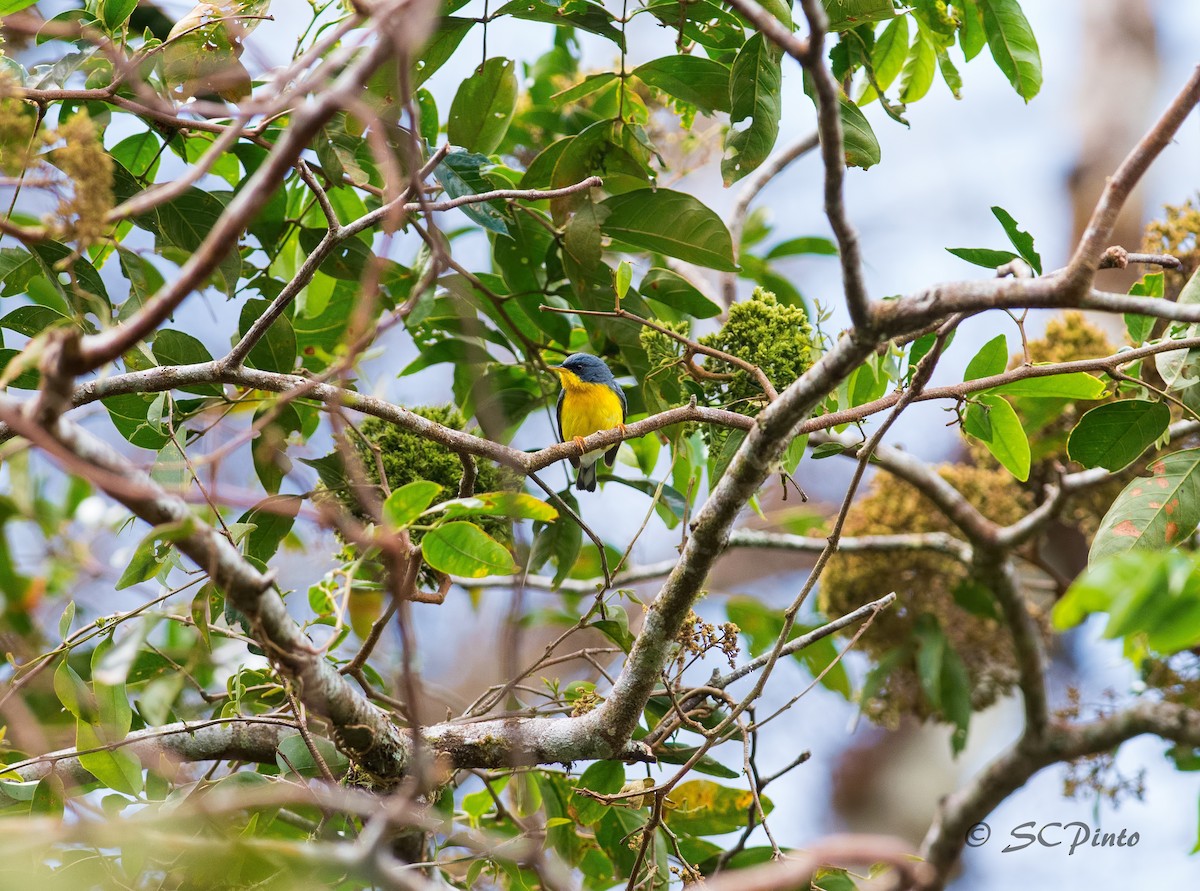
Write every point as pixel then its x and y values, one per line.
pixel 621 395
pixel 558 414
pixel 610 456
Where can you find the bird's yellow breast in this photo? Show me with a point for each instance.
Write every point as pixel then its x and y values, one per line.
pixel 588 408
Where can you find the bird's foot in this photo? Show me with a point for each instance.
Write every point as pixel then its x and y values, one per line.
pixel 578 440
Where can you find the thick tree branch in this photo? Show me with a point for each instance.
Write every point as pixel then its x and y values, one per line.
pixel 233 739
pixel 961 810
pixel 763 447
pixel 361 730
pixel 797 869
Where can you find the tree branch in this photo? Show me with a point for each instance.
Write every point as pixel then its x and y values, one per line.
pixel 1098 233
pixel 99 349
pixel 827 95
pixel 254 739
pixel 961 810
pixel 798 868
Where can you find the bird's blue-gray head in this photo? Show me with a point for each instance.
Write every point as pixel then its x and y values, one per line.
pixel 589 369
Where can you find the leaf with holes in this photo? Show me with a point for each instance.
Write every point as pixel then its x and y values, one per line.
pixel 755 106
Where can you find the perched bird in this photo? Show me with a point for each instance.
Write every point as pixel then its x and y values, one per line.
pixel 590 401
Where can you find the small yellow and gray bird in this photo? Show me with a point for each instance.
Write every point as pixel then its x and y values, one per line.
pixel 591 400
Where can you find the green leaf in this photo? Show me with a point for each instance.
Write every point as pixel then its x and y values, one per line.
pixel 115 12
pixel 1075 385
pixel 405 504
pixel 673 290
pixel 73 693
pixel 931 648
pixel 33 320
pixel 1156 512
pixel 7 7
pixel 64 622
pixel 152 553
pixel 49 797
pixel 917 76
pixel 977 599
pixel 887 58
pixel 427 112
pixel 675 753
pixel 919 350
pixel 590 84
pixel 445 40
pixel 991 359
pixel 460 173
pixel 130 415
pixel 184 222
pixel 865 386
pixel 293 755
pixel 171 468
pixel 846 14
pixel 1155 595
pixel 580 14
pixel 956 697
pixel 950 73
pixel 1140 327
pixel 144 281
pixel 561 541
pixel 484 106
pixel 603 777
pixel 671 223
pixel 985 257
pixel 970 36
pixel 276 349
pixel 615 627
pixel 702 807
pixel 622 278
pixel 516 505
pixel 177 348
pixel 1113 436
pixel 1013 45
pixel 115 768
pixel 708 24
pixel 347 261
pixel 693 79
pixel 994 422
pixel 801 246
pixel 272 519
pixel 463 549
pixel 755 107
pixel 858 139
pixel 1020 239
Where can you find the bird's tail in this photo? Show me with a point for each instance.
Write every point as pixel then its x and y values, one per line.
pixel 586 478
